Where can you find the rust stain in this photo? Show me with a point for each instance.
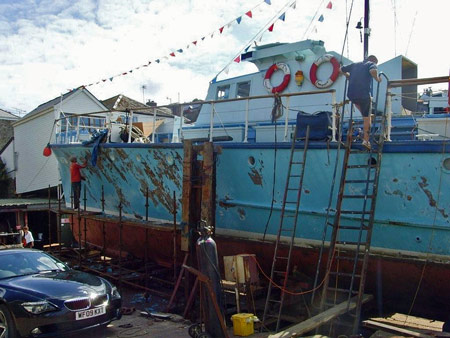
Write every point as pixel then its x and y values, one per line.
pixel 225 204
pixel 395 180
pixel 398 193
pixel 241 213
pixel 409 197
pixel 307 191
pixel 122 154
pixel 431 199
pixel 255 176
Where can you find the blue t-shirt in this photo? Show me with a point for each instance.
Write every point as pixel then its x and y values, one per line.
pixel 360 81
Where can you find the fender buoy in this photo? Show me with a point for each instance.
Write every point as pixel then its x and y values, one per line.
pixel 287 76
pixel 47 151
pixel 315 66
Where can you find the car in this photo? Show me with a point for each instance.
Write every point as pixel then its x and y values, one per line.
pixel 40 296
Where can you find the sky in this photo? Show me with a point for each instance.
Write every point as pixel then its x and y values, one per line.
pixel 48 47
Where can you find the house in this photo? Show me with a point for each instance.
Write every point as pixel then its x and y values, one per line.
pixel 6 140
pixel 41 126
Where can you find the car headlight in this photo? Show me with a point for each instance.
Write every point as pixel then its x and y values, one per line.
pixel 39 307
pixel 115 293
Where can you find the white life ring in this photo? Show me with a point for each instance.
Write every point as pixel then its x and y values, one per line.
pixel 282 86
pixel 313 71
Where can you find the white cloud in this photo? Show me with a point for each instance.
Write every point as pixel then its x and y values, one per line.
pixel 48 46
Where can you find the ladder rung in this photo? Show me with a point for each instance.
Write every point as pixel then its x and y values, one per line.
pixel 359 181
pixel 343 290
pixel 350 243
pixel 351 227
pixel 357 196
pixel 290 202
pixel 359 166
pixel 292 188
pixel 343 274
pixel 281 257
pixel 296 162
pixel 275 301
pixel 356 212
pixel 346 258
pixel 294 175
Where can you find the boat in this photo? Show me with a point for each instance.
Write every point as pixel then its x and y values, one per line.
pixel 236 153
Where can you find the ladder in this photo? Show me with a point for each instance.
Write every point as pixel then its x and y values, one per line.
pixel 348 253
pixel 288 224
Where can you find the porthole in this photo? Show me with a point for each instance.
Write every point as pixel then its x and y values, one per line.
pixel 251 160
pixel 446 164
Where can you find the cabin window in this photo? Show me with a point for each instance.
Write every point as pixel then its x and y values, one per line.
pixel 223 92
pixel 243 89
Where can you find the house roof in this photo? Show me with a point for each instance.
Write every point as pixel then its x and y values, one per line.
pixel 123 103
pixel 50 103
pixel 6 115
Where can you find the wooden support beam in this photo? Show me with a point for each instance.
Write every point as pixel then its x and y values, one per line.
pixel 187 194
pixel 207 205
pixel 321 318
pixel 409 333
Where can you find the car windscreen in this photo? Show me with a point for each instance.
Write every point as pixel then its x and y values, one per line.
pixel 28 262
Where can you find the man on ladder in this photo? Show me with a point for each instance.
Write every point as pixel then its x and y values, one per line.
pixel 360 76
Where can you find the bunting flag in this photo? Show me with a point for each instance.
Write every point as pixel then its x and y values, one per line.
pixel 227 69
pixel 294 5
pixel 221 29
pixel 330 5
pixel 321 18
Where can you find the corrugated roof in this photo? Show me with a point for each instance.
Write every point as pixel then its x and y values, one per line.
pixel 6 115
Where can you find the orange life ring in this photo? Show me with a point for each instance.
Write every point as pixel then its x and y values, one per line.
pixel 287 76
pixel 313 71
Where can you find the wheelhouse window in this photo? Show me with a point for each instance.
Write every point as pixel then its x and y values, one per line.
pixel 223 92
pixel 243 89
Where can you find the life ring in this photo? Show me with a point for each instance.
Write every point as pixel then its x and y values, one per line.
pixel 313 71
pixel 287 76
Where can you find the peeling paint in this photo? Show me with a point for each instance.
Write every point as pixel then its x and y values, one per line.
pixel 241 213
pixel 431 199
pixel 395 180
pixel 307 191
pixel 255 177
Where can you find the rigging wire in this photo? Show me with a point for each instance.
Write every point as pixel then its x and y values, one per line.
pixel 410 34
pixel 394 8
pixel 348 17
pixel 312 19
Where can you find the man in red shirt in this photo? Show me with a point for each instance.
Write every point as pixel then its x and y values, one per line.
pixel 75 178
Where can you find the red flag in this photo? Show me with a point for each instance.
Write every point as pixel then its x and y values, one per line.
pixel 194 42
pixel 221 30
pixel 172 54
pixel 238 59
pixel 124 73
pixel 249 14
pixel 271 27
pixel 330 5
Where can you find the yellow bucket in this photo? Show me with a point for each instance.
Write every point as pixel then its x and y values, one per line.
pixel 243 324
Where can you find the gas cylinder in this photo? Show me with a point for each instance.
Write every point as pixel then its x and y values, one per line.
pixel 208 264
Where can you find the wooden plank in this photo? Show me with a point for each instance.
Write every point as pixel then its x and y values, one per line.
pixel 410 333
pixel 187 194
pixel 406 321
pixel 321 318
pixel 207 205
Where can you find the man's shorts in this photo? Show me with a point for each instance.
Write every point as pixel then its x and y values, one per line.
pixel 364 106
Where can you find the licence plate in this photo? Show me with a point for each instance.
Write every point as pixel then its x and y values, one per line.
pixel 98 311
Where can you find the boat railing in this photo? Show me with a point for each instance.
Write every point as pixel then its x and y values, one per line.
pixel 75 128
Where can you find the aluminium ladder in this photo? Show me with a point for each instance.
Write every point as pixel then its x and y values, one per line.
pixel 288 224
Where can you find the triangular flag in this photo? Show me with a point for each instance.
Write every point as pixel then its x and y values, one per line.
pixel 249 14
pixel 131 71
pixel 144 65
pixel 214 80
pixel 212 35
pixel 282 17
pixel 294 5
pixel 111 78
pixel 157 61
pixel 172 54
pixel 165 57
pixel 238 20
pixel 124 73
pixel 238 59
pixel 194 42
pixel 104 80
pixel 321 18
pixel 187 47
pixel 271 27
pixel 229 25
pixel 180 51
pixel 226 70
pixel 203 38
pixel 149 62
pixel 330 5
pixel 246 49
pixel 221 30
pixel 267 2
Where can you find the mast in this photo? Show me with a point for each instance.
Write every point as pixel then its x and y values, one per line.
pixel 366 28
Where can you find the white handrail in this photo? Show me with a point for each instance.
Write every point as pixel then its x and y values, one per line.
pixel 246 122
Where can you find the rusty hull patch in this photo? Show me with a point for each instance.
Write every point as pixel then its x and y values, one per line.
pixel 431 199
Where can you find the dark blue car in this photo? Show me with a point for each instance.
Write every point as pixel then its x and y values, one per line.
pixel 41 296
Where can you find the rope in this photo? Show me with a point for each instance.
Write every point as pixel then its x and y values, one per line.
pixel 346 31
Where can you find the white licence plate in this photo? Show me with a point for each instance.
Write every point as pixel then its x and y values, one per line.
pixel 98 311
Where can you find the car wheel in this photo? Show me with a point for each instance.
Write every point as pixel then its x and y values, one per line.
pixel 7 328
